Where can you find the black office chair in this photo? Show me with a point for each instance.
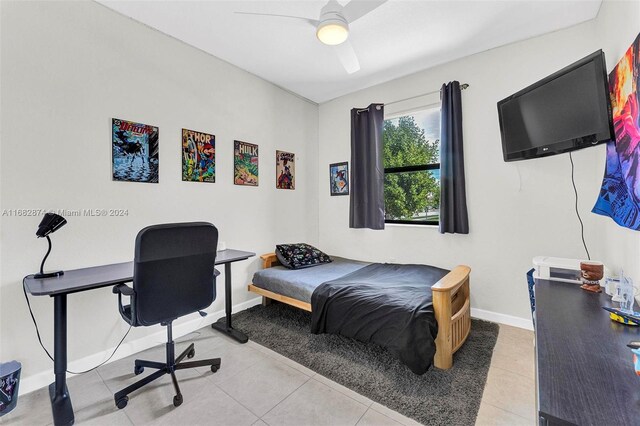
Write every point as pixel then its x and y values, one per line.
pixel 173 276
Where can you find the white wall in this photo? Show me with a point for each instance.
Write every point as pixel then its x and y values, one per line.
pixel 516 210
pixel 67 69
pixel 617 26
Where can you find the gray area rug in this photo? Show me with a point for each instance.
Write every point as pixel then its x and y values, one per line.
pixel 436 398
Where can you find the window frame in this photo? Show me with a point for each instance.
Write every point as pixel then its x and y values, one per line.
pixel 413 168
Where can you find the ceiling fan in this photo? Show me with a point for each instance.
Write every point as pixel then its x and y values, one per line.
pixel 332 27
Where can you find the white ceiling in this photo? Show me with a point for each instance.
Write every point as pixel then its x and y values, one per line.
pixel 398 38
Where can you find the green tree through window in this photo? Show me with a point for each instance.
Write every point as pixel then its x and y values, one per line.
pixel 412 169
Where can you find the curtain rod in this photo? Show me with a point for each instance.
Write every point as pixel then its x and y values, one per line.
pixel 462 87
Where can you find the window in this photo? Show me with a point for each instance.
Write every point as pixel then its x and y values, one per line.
pixel 412 167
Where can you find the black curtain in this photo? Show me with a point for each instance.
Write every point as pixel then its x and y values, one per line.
pixel 366 208
pixel 453 200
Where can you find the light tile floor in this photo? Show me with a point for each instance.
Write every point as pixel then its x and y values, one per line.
pixel 257 386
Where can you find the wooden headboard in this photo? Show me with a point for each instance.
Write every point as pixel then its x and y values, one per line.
pixel 269 260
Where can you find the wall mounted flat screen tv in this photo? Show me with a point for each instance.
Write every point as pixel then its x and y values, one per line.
pixel 568 110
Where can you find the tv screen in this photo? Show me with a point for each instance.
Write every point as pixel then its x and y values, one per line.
pixel 566 111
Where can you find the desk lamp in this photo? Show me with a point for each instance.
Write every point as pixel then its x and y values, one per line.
pixel 51 222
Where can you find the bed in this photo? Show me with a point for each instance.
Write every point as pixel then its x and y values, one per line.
pixel 449 298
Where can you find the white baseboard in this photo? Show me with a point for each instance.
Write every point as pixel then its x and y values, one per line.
pixel 525 323
pixel 36 381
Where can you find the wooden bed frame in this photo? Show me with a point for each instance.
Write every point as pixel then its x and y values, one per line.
pixel 451 305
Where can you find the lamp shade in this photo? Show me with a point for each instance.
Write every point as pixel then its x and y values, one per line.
pixel 50 223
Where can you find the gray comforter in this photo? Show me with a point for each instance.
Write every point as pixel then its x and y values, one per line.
pixel 386 304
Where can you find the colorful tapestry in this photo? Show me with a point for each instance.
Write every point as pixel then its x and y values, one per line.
pixel 134 151
pixel 198 156
pixel 620 194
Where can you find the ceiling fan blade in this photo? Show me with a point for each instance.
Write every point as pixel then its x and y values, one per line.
pixel 356 9
pixel 313 22
pixel 347 57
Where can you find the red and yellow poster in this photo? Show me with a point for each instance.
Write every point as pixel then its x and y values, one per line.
pixel 198 156
pixel 285 170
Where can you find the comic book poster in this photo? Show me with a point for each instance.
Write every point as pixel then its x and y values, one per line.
pixel 245 163
pixel 134 148
pixel 339 178
pixel 285 170
pixel 619 197
pixel 198 156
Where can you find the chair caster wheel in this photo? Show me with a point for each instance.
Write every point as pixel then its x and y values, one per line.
pixel 177 400
pixel 191 353
pixel 122 402
pixel 214 368
pixel 138 369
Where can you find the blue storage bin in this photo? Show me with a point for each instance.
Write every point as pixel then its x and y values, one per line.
pixel 9 383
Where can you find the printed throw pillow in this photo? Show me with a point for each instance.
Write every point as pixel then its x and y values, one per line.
pixel 298 256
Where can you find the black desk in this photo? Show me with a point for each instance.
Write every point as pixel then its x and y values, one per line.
pixel 96 277
pixel 584 368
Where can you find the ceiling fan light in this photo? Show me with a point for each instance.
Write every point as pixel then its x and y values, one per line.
pixel 332 32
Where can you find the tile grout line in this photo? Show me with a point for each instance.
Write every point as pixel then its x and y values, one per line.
pixel 504 409
pixel 360 418
pixel 158 384
pixel 512 372
pixel 286 397
pixel 268 354
pixel 369 405
pixel 247 408
pixel 318 374
pixel 106 386
pixel 371 401
pixel 397 421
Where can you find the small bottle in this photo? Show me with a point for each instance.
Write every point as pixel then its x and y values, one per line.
pixel 625 293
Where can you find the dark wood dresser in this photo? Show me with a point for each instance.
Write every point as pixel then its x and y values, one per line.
pixel 584 369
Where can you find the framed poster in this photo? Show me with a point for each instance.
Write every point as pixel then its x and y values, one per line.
pixel 339 178
pixel 245 163
pixel 198 156
pixel 285 170
pixel 134 151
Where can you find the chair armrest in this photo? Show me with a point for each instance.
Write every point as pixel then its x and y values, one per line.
pixel 123 289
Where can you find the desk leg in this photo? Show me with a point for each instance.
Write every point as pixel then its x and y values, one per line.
pixel 58 392
pixel 226 327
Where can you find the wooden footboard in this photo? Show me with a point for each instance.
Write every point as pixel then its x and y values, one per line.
pixel 451 304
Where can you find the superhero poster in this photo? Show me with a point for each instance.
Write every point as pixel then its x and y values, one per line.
pixel 339 178
pixel 619 197
pixel 198 156
pixel 285 170
pixel 245 163
pixel 134 148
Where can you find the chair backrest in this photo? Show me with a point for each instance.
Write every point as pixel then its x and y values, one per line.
pixel 173 271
